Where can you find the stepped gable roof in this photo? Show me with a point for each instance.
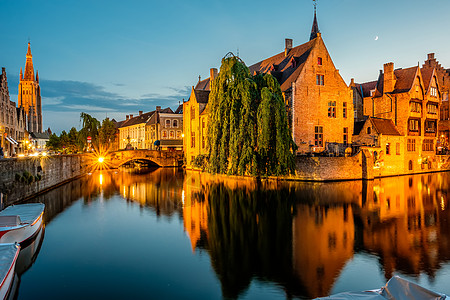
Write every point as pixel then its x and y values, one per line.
pixel 203 85
pixel 384 126
pixel 286 68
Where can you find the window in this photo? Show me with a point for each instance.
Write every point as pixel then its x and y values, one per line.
pixel 175 123
pixel 344 110
pixel 427 145
pixel 178 134
pixel 369 130
pixel 413 125
pixel 397 148
pixel 332 109
pixel 430 126
pixel 171 134
pixel 192 112
pixel 168 123
pixel 411 145
pixel 415 107
pixel 164 134
pixel 318 136
pixel 388 148
pixel 345 135
pixel 192 139
pixel 433 91
pixel 203 142
pixel 410 165
pixel 432 108
pixel 445 97
pixel 319 80
pixel 319 61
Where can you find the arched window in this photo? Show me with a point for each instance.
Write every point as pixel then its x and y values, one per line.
pixel 175 123
pixel 410 165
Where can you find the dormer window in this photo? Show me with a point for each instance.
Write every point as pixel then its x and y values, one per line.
pixel 319 61
pixel 433 91
pixel 293 62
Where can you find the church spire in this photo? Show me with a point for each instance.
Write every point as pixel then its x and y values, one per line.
pixel 29 70
pixel 315 26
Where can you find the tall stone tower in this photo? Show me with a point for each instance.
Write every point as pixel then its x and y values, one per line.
pixel 30 95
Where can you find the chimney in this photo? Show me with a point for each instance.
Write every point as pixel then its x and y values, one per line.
pixel 212 74
pixel 131 116
pixel 140 112
pixel 430 56
pixel 158 108
pixel 389 79
pixel 352 82
pixel 127 117
pixel 288 46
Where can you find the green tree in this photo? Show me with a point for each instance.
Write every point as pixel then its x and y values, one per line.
pixel 73 145
pixel 107 133
pixel 90 127
pixel 53 143
pixel 247 127
pixel 64 141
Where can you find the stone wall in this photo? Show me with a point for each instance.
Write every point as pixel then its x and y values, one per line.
pixel 21 178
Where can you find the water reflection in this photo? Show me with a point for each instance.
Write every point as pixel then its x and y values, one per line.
pixel 298 237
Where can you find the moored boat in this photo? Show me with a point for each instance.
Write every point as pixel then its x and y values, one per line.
pixel 8 258
pixel 20 223
pixel 396 288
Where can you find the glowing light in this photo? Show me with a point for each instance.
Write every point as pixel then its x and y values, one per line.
pixel 182 135
pixel 442 203
pixel 101 159
pixel 182 198
pixel 101 179
pixel 21 155
pixel 44 153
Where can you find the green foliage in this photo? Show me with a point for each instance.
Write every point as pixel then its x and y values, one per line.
pixel 90 127
pixel 53 143
pixel 107 133
pixel 200 161
pixel 248 130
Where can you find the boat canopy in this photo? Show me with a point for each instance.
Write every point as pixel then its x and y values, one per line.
pixel 396 288
pixel 28 213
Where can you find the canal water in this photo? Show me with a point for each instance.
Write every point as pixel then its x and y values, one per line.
pixel 169 234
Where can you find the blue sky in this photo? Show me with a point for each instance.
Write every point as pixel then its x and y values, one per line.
pixel 112 58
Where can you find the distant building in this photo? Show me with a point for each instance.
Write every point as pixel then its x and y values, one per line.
pixel 39 140
pixel 12 121
pixel 158 129
pixel 30 95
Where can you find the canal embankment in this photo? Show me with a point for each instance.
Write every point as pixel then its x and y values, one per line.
pixel 25 177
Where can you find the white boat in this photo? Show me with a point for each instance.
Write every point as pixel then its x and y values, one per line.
pixel 8 258
pixel 20 223
pixel 395 289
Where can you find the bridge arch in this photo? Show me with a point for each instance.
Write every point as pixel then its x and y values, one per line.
pixel 162 158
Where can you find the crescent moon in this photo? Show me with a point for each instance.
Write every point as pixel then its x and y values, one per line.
pixel 376 38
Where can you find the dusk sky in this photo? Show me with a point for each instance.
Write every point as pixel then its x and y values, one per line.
pixel 112 58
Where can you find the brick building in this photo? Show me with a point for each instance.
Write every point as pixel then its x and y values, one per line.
pixel 410 98
pixel 443 77
pixel 318 101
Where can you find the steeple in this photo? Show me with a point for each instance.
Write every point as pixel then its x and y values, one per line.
pixel 315 26
pixel 29 70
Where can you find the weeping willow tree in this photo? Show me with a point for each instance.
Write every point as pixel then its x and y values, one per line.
pixel 247 128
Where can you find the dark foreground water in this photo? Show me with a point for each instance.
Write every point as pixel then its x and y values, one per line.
pixel 173 235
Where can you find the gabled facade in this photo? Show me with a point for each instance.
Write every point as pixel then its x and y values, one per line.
pixel 132 131
pixel 166 127
pixel 318 101
pixel 410 98
pixel 195 115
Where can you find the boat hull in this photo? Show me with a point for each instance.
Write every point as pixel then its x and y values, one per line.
pixel 5 285
pixel 22 233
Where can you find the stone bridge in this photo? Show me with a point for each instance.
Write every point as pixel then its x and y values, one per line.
pixel 162 158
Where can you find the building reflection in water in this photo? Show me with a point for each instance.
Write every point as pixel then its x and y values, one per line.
pixel 299 236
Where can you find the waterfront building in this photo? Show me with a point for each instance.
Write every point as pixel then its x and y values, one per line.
pixel 165 126
pixel 12 121
pixel 195 115
pixel 410 98
pixel 443 77
pixel 318 101
pixel 132 131
pixel 29 96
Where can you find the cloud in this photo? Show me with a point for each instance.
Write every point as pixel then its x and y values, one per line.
pixel 88 108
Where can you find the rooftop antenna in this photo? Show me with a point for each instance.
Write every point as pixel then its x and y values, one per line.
pixel 237 52
pixel 315 4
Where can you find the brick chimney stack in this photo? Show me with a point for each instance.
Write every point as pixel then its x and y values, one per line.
pixel 131 116
pixel 389 78
pixel 127 118
pixel 158 108
pixel 140 112
pixel 212 74
pixel 288 46
pixel 430 56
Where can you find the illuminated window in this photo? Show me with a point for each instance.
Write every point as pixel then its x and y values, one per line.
pixel 415 107
pixel 427 145
pixel 344 110
pixel 433 91
pixel 318 136
pixel 432 108
pixel 388 149
pixel 413 125
pixel 411 145
pixel 320 80
pixel 164 134
pixel 430 126
pixel 171 134
pixel 178 134
pixel 332 109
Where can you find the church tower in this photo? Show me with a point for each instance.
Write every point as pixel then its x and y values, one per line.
pixel 30 95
